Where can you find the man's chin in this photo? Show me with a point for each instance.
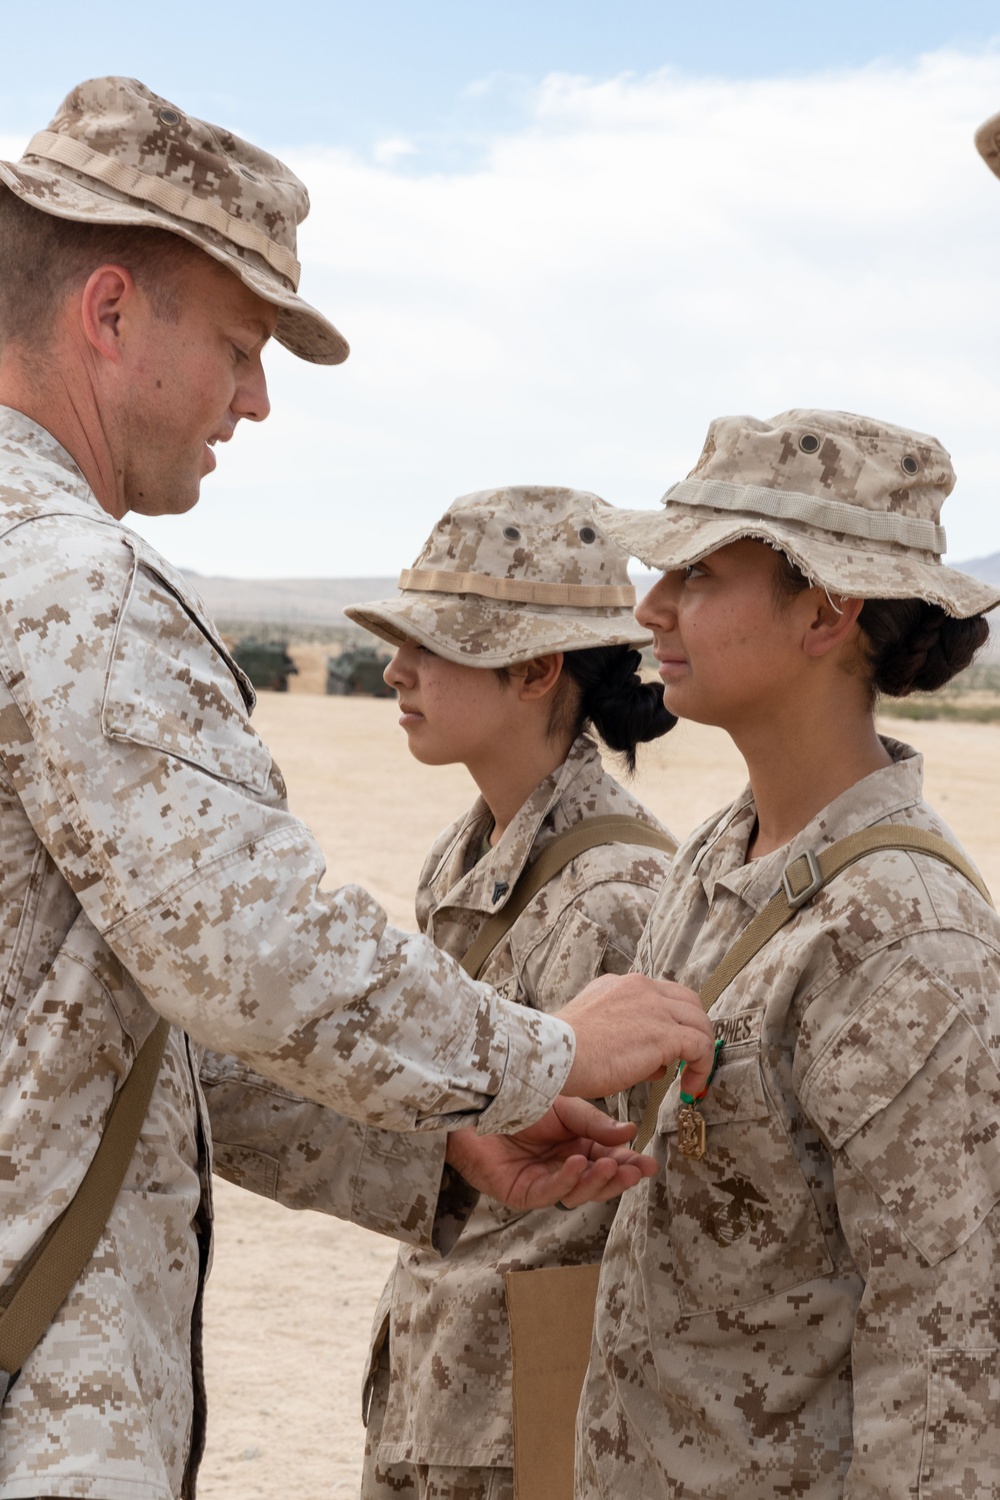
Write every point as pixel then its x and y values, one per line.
pixel 176 504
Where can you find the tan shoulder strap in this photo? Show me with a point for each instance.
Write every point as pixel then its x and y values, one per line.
pixel 43 1280
pixel 806 875
pixel 587 834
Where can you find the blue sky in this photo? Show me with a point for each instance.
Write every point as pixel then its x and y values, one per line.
pixel 348 73
pixel 561 237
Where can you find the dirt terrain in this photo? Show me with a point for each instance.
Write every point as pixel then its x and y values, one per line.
pixel 291 1295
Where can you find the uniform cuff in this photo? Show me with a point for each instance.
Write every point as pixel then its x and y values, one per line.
pixel 540 1051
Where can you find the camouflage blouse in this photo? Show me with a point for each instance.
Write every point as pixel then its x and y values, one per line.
pixel 449 1395
pixel 812 1307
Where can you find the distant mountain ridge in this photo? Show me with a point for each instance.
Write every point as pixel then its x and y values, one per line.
pixel 985 568
pixel 288 602
pixel 292 602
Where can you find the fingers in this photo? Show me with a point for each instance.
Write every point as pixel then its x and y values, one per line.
pixel 629 1029
pixel 580 1181
pixel 647 1166
pixel 580 1117
pixel 699 1057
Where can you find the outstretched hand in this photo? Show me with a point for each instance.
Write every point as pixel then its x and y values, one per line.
pixel 574 1154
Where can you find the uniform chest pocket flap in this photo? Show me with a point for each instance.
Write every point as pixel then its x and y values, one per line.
pixel 742 1221
pixel 910 1092
pixel 173 687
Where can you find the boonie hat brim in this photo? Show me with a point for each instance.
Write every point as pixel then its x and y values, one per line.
pixel 300 328
pixel 668 540
pixel 492 633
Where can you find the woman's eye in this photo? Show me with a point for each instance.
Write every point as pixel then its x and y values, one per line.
pixel 693 570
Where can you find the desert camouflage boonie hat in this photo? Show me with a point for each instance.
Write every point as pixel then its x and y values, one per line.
pixel 854 503
pixel 988 143
pixel 118 154
pixel 509 574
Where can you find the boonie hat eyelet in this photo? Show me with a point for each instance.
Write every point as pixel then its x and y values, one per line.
pixel 512 534
pixel 909 464
pixel 809 442
pixel 169 117
pixel 588 534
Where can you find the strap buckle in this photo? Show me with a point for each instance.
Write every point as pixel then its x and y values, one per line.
pixel 795 898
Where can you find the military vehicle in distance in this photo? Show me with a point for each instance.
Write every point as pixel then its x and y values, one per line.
pixel 358 672
pixel 266 663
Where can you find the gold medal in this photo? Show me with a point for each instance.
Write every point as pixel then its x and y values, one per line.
pixel 690 1131
pixel 690 1123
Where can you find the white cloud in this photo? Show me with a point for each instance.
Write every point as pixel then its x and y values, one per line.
pixel 387 153
pixel 639 255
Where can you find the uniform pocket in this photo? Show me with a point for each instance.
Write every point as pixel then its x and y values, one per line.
pixel 557 965
pixel 959 1454
pixel 172 687
pixel 743 1224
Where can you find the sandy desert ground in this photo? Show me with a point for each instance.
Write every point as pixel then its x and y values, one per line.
pixel 291 1295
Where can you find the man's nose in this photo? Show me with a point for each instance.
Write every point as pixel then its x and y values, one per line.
pixel 251 400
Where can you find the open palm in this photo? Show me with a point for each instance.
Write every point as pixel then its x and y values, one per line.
pixel 574 1154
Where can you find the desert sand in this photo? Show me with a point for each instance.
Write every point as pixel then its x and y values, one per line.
pixel 291 1296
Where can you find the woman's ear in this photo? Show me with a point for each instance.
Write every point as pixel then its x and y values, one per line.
pixel 537 678
pixel 832 621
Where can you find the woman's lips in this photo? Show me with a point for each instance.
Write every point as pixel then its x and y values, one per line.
pixel 671 666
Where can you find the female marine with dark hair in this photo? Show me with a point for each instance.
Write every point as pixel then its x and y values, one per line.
pixel 806 1300
pixel 515 637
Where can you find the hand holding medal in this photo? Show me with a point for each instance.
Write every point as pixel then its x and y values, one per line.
pixel 690 1121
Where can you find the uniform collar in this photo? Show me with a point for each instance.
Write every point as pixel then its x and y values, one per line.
pixel 46 480
pixel 487 885
pixel 24 442
pixel 722 860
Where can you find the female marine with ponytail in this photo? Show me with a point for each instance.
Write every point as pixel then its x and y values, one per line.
pixel 514 639
pixel 806 1300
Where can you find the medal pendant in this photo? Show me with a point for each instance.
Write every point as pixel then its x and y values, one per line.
pixel 690 1132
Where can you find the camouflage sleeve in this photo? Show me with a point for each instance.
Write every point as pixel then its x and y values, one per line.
pixel 597 933
pixel 302 1155
pixel 907 1094
pixel 124 734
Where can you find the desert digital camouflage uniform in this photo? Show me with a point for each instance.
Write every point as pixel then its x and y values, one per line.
pixel 150 866
pixel 813 1308
pixel 444 1323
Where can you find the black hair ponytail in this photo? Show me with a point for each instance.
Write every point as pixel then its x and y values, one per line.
pixel 624 710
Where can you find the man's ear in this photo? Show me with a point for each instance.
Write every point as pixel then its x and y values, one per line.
pixel 833 619
pixel 537 678
pixel 108 298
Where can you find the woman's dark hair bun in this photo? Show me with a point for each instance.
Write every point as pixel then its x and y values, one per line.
pixel 913 646
pixel 624 710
